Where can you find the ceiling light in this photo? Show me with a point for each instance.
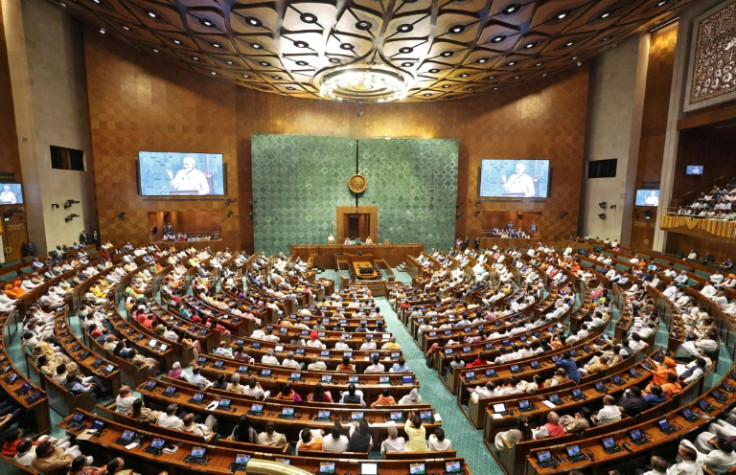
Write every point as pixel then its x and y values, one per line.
pixel 334 60
pixel 246 76
pixel 516 77
pixel 662 2
pixel 495 88
pixel 447 54
pixel 126 28
pixel 498 39
pixel 302 63
pixel 229 62
pixel 426 94
pixel 264 63
pixel 155 50
pixel 97 1
pixel 492 76
pixel 511 63
pixel 530 45
pixel 177 42
pixel 464 75
pixel 470 89
pixel 195 58
pixel 407 65
pixel 538 64
pixel 290 88
pixel 604 15
pixel 347 46
pixel 253 21
pixel 562 15
pixel 277 78
pixel 206 22
pixel 406 50
pixel 574 58
pixel 405 28
pixel 510 9
pixel 434 70
pixel 457 29
pixel 544 75
pixel 102 30
pixel 363 25
pixel 308 18
pixel 63 4
pixel 445 86
pixel 483 60
pixel 255 45
pixel 569 43
pixel 214 73
pixel 364 84
pixel 301 44
pixel 152 14
pixel 216 45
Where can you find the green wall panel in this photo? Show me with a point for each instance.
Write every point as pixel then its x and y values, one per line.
pixel 414 184
pixel 298 181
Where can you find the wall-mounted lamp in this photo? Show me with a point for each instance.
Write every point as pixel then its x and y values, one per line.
pixel 54 205
pixel 612 206
pixel 602 204
pixel 71 217
pixel 602 216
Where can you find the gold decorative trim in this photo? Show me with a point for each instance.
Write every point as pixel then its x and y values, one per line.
pixel 357 183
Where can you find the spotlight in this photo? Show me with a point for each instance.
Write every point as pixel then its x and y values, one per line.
pixel 602 216
pixel 612 206
pixel 54 205
pixel 602 204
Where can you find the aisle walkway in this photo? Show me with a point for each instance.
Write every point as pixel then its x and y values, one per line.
pixel 465 439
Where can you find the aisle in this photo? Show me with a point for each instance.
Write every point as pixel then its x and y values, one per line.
pixel 465 439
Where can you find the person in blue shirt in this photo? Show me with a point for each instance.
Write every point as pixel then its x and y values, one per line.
pixel 655 396
pixel 569 365
pixel 400 367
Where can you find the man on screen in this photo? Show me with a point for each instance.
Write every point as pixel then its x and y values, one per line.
pixel 519 183
pixel 652 199
pixel 7 197
pixel 189 179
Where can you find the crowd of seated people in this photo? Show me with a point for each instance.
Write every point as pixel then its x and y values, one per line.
pixel 718 203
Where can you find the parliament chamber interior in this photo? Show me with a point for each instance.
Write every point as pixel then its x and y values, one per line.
pixel 368 237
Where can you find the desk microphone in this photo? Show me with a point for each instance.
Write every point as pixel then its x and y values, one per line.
pixel 590 454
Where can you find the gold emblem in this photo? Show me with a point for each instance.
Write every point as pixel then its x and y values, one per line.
pixel 357 183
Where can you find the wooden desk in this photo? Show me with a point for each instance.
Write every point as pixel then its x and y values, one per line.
pixel 323 256
pixel 365 270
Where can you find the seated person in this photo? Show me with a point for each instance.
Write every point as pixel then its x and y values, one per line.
pixel 270 437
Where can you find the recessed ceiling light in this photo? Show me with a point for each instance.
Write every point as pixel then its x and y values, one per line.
pixel 662 2
pixel 102 30
pixel 511 63
pixel 347 46
pixel 97 1
pixel 206 22
pixel 214 73
pixel 277 78
pixel 498 39
pixel 229 62
pixel 246 76
pixel 426 94
pixel 302 63
pixel 511 9
pixel 216 45
pixel 264 63
pixel 606 38
pixel 301 44
pixel 152 14
pixel 363 25
pixel 255 45
pixel 253 21
pixel 334 60
pixel 457 29
pixel 492 76
pixel 177 42
pixel 290 88
pixel 308 18
pixel 538 64
pixel 405 28
pixel 562 15
pixel 195 58
pixel 516 77
pixel 574 58
pixel 483 60
pixel 495 88
pixel 470 89
pixel 604 15
pixel 63 4
pixel 126 28
pixel 445 86
pixel 434 70
pixel 544 75
pixel 530 45
pixel 407 65
pixel 447 54
pixel 464 75
pixel 155 50
pixel 569 43
pixel 406 50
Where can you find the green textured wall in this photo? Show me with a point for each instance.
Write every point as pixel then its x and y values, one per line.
pixel 298 181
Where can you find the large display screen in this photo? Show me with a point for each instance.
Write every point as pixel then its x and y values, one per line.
pixel 514 178
pixel 694 170
pixel 10 194
pixel 647 198
pixel 177 174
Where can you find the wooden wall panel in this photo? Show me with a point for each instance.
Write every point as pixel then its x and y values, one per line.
pixel 137 102
pixel 9 158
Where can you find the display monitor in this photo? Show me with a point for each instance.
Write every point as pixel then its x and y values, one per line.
pixel 11 194
pixel 514 178
pixel 647 198
pixel 181 174
pixel 694 170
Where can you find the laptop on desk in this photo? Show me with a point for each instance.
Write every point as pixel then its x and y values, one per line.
pixel 666 427
pixel 545 460
pixel 197 455
pixel 610 446
pixel 287 413
pixel 241 460
pixel 126 438
pixel 637 437
pixel 689 415
pixel 156 447
pixel 454 467
pixel 574 454
pixel 326 468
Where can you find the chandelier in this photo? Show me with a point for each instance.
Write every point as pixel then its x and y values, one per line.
pixel 364 84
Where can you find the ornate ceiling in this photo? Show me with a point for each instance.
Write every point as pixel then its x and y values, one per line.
pixel 442 49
